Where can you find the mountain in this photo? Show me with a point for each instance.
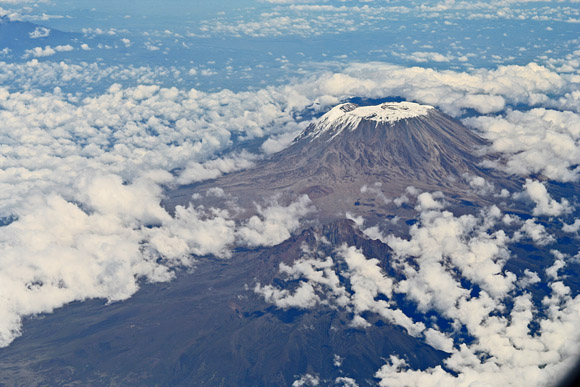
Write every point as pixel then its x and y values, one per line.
pixel 20 35
pixel 394 145
pixel 223 323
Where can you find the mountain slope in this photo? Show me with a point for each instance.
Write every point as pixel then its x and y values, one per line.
pixel 395 145
pixel 209 328
pixel 412 143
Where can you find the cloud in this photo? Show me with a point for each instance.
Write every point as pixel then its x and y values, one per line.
pixel 540 359
pixel 467 243
pixel 545 205
pixel 211 169
pixel 138 201
pixel 100 31
pixel 297 17
pixel 39 32
pixel 440 254
pixel 559 263
pixel 426 201
pixel 151 47
pixel 574 227
pixel 482 186
pixel 529 278
pixel 55 253
pixel 438 340
pixel 64 48
pixel 536 232
pixel 448 90
pixel 306 380
pixel 425 56
pixel 442 243
pixel 34 75
pixel 195 231
pixel 277 143
pixel 354 289
pixel 345 382
pixel 275 223
pixel 294 18
pixel 539 141
pixel 39 52
pixel 303 297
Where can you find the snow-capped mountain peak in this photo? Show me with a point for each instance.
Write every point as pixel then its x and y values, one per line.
pixel 350 115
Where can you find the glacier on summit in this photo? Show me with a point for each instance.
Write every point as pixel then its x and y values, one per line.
pixel 350 115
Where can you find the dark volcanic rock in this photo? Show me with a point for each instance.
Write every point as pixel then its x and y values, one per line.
pixel 209 328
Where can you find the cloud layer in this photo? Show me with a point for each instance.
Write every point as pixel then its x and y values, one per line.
pixel 82 178
pixel 454 266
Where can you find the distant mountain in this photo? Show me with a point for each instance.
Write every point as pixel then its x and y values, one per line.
pixel 397 145
pixel 19 36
